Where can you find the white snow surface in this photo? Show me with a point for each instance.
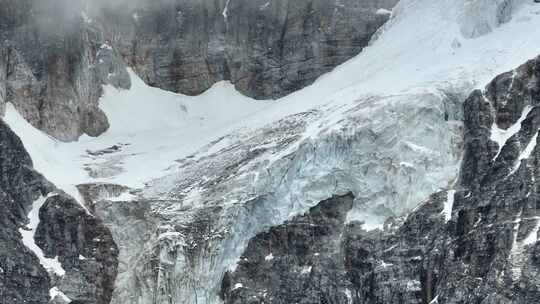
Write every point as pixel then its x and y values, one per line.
pixel 383 11
pixel 123 197
pixel 386 265
pixel 238 286
pixel 435 300
pixel 348 294
pixel 225 12
pixel 306 269
pixel 375 125
pixel 154 127
pixel 517 255
pixel 532 238
pixel 501 136
pixel 449 205
pixel 526 153
pixel 529 148
pixel 52 265
pixel 56 293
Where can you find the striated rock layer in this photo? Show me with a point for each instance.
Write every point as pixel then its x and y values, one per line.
pixel 21 276
pixel 55 55
pixel 268 49
pixel 53 65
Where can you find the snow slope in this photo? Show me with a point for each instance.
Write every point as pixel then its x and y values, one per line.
pixel 28 233
pixel 151 127
pixel 50 264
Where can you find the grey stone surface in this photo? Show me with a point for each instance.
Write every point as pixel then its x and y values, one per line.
pixel 266 48
pixel 56 54
pixel 22 279
pixel 53 64
pixel 133 225
pixel 85 248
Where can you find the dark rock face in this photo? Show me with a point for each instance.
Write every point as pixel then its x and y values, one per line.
pixel 22 279
pixel 300 261
pixel 475 244
pixel 268 49
pixel 81 242
pixel 86 247
pixel 52 66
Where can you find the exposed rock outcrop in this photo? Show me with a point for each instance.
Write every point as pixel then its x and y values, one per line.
pixel 85 248
pixel 63 234
pixel 52 67
pixel 56 54
pixel 22 279
pixel 268 49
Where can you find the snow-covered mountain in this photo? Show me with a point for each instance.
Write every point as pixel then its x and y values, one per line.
pixel 407 174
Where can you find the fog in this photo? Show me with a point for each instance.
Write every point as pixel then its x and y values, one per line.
pixel 54 17
pixel 93 5
pixel 68 9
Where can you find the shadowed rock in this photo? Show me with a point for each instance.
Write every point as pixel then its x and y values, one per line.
pixel 65 231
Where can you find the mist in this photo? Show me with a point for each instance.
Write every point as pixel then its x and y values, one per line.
pixel 71 10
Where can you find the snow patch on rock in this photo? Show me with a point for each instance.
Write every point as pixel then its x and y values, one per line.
pixel 532 238
pixel 28 232
pixel 448 205
pixel 269 257
pixel 501 136
pixel 58 295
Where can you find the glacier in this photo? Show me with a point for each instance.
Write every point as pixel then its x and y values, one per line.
pixel 200 176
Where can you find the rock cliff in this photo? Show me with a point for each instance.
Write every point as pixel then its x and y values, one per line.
pixel 52 248
pixel 268 49
pixel 56 54
pixel 54 66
